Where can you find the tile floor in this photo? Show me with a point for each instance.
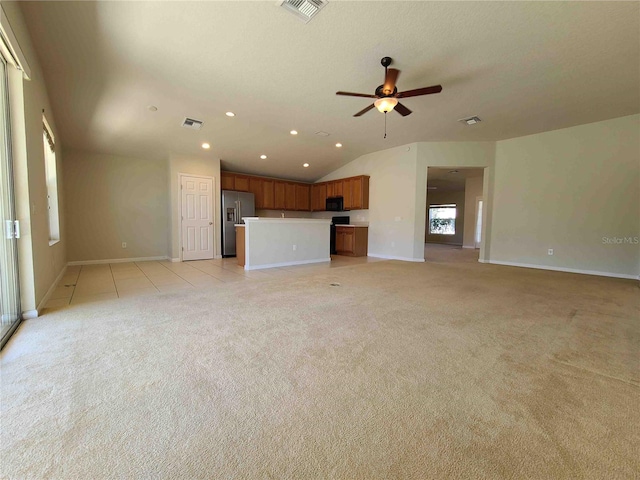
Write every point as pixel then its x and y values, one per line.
pixel 93 283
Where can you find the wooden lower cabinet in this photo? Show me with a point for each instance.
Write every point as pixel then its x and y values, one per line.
pixel 240 245
pixel 352 241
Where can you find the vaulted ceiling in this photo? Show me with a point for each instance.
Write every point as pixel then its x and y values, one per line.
pixel 523 67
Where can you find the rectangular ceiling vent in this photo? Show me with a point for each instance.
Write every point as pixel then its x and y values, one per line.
pixel 192 124
pixel 304 9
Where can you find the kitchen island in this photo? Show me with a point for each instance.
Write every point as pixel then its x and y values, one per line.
pixel 281 242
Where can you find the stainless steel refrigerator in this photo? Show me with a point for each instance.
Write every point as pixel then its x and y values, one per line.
pixel 235 205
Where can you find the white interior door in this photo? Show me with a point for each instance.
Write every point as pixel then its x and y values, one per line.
pixel 197 217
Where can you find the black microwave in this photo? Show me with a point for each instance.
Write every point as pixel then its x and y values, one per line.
pixel 335 204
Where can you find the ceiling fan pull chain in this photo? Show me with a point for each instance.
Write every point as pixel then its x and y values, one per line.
pixel 385 124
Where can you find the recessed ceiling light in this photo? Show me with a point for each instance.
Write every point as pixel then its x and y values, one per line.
pixel 263 157
pixel 305 165
pixel 338 145
pixel 293 132
pixel 230 114
pixel 206 146
pixel 152 108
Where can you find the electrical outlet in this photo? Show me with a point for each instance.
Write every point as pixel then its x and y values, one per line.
pixel 550 251
pixel 295 247
pixel 124 244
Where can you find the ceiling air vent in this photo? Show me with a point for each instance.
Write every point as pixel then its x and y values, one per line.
pixel 192 124
pixel 304 9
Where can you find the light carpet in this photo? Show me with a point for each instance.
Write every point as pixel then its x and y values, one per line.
pixel 403 371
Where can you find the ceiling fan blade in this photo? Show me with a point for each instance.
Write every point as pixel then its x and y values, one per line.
pixel 349 94
pixel 420 91
pixel 390 81
pixel 364 110
pixel 402 110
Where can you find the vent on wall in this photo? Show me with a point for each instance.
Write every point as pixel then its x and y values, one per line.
pixel 304 9
pixel 192 124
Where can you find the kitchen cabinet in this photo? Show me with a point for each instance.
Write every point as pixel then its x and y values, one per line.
pixel 268 198
pixel 240 245
pixel 303 194
pixel 275 194
pixel 227 181
pixel 255 187
pixel 352 241
pixel 289 196
pixel 360 193
pixel 241 183
pixel 346 193
pixel 279 191
pixel 318 197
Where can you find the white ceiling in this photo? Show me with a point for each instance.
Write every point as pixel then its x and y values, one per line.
pixel 523 67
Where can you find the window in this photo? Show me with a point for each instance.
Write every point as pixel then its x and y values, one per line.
pixel 51 173
pixel 442 219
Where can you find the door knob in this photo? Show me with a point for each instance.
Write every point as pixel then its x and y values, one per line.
pixel 210 223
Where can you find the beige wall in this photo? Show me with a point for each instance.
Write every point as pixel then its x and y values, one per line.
pixel 570 190
pixel 111 200
pixel 40 263
pixel 440 198
pixel 472 190
pixel 198 166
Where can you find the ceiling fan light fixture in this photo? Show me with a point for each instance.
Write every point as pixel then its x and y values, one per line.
pixel 385 104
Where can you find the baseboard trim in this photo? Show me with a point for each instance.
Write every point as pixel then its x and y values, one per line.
pixel 392 257
pixel 53 286
pixel 29 314
pixel 470 248
pixel 286 264
pixel 566 270
pixel 175 260
pixel 118 260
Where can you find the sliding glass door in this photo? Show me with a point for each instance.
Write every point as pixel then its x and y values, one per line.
pixel 9 295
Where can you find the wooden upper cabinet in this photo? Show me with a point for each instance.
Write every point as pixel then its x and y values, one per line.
pixel 360 193
pixel 279 194
pixel 289 196
pixel 318 197
pixel 330 189
pixel 337 188
pixel 346 193
pixel 255 187
pixel 274 194
pixel 303 197
pixel 227 181
pixel 242 183
pixel 268 198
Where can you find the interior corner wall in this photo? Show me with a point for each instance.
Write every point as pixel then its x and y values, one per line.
pixel 472 190
pixel 40 264
pixel 112 199
pixel 197 166
pixel 458 154
pixel 576 191
pixel 392 201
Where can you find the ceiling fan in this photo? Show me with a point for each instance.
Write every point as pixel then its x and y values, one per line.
pixel 387 94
